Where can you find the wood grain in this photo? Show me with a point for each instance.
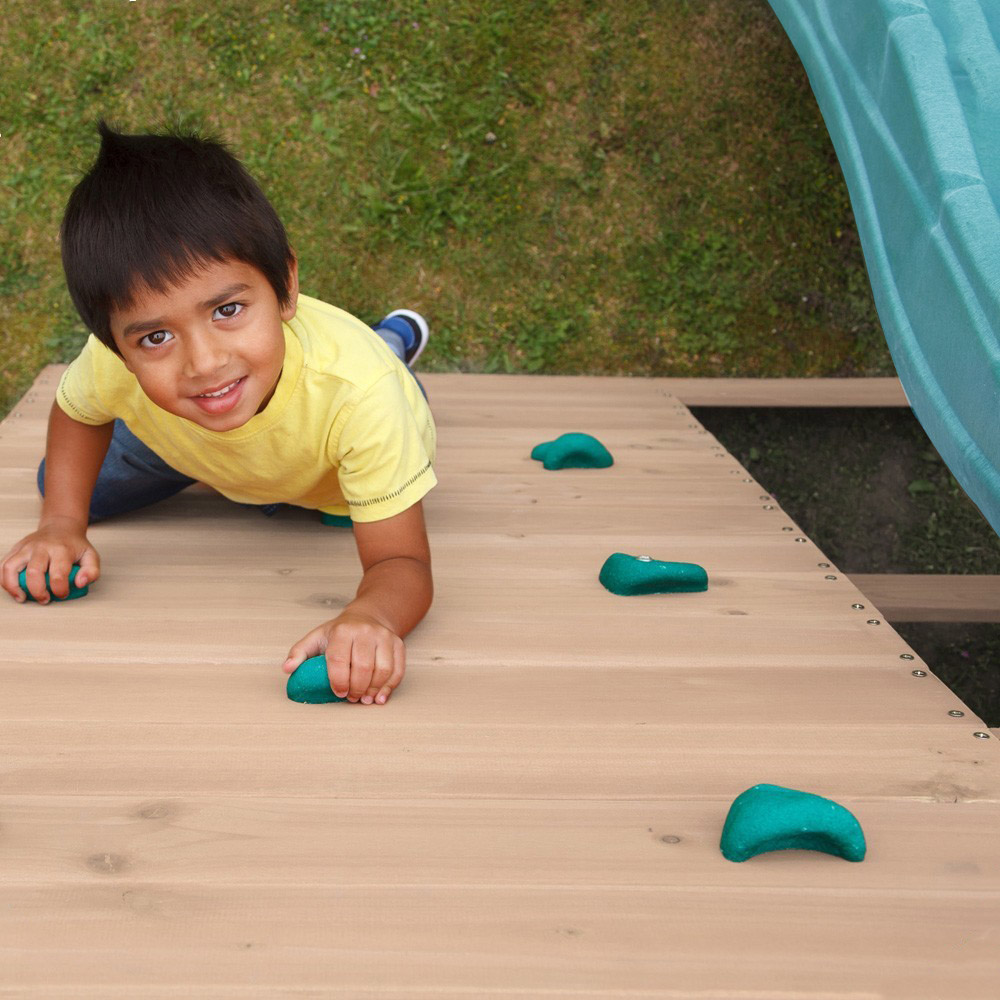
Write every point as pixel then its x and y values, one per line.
pixel 537 810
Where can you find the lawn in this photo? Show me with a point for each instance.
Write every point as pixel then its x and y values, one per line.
pixel 575 187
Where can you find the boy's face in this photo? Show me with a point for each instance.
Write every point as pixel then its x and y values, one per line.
pixel 209 349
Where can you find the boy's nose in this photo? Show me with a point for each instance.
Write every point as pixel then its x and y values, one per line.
pixel 204 356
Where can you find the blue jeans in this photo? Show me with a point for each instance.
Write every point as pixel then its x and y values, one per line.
pixel 134 476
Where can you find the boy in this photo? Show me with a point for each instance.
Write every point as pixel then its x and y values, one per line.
pixel 206 364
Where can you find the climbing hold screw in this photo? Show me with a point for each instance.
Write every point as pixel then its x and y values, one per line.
pixel 919 673
pixel 823 565
pixel 787 529
pixel 645 558
pixel 906 656
pixel 874 621
pixel 802 539
pixel 956 714
pixel 769 506
pixel 859 607
pixel 831 577
pixel 981 736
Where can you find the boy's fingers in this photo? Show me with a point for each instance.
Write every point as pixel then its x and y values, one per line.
pixel 309 645
pixel 90 567
pixel 11 569
pixel 338 664
pixel 362 662
pixel 390 683
pixel 59 570
pixel 34 578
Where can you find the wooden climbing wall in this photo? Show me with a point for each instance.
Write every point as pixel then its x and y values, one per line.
pixel 537 810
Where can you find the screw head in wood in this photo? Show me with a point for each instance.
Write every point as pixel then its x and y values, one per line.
pixel 906 656
pixel 919 673
pixel 829 577
pixel 823 565
pixel 981 736
pixel 956 714
pixel 802 539
pixel 874 621
pixel 769 506
pixel 787 529
pixel 858 607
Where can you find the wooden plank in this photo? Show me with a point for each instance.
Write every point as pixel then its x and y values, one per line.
pixel 415 752
pixel 779 392
pixel 932 597
pixel 443 941
pixel 82 840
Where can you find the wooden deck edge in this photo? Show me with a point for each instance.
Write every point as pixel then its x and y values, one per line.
pixel 813 392
pixel 932 598
pixel 816 392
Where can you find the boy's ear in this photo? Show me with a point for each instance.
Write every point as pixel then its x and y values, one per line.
pixel 288 311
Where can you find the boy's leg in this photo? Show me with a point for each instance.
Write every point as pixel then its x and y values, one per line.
pixel 406 332
pixel 132 476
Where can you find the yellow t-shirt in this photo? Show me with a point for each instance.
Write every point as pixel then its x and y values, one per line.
pixel 347 430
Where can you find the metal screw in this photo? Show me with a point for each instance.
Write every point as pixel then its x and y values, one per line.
pixel 823 565
pixel 765 497
pixel 956 714
pixel 858 607
pixel 981 736
pixel 645 558
pixel 802 539
pixel 874 621
pixel 769 506
pixel 787 529
pixel 906 656
pixel 919 673
pixel 748 480
pixel 831 577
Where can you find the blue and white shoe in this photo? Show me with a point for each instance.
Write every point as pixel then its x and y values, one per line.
pixel 411 327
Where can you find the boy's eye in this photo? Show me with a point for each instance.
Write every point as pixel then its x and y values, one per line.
pixel 229 310
pixel 156 339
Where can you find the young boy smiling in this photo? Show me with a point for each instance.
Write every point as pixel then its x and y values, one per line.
pixel 207 364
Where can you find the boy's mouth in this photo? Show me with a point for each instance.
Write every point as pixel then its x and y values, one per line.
pixel 222 399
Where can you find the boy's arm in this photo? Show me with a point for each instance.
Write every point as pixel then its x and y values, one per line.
pixel 73 456
pixel 364 647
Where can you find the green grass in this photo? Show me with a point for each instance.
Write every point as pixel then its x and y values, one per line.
pixel 576 186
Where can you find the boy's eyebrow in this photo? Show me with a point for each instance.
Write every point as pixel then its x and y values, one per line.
pixel 220 298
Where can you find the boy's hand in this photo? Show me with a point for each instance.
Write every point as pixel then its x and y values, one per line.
pixel 365 659
pixel 52 549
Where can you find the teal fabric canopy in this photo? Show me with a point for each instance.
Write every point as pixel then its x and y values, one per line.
pixel 910 92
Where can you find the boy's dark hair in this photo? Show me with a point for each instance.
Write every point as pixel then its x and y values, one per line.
pixel 152 210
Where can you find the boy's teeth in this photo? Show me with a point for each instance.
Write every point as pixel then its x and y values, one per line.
pixel 221 392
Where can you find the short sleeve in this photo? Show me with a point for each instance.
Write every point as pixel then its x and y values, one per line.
pixel 86 389
pixel 384 452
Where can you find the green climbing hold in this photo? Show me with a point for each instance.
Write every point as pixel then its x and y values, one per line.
pixel 310 682
pixel 573 451
pixel 336 520
pixel 74 590
pixel 630 575
pixel 771 818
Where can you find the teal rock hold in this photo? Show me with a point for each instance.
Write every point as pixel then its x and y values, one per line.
pixel 573 451
pixel 771 818
pixel 310 682
pixel 630 575
pixel 336 520
pixel 74 590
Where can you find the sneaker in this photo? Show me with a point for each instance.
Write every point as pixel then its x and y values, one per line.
pixel 412 327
